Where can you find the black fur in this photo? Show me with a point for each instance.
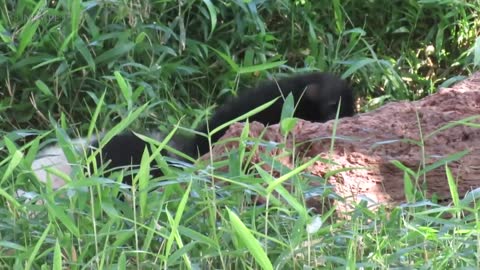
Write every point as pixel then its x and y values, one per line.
pixel 321 96
pixel 317 96
pixel 123 151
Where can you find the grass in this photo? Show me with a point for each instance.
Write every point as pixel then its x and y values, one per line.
pixel 72 68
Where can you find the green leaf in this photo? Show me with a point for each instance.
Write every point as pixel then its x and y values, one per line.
pixel 213 15
pixel 288 107
pixel 142 177
pixel 246 237
pixel 227 59
pixel 125 88
pixel 442 161
pixel 85 52
pixel 122 262
pixel 358 65
pixel 288 124
pixel 115 53
pixel 402 167
pixel 291 200
pixel 261 67
pixel 57 257
pixel 30 28
pixel 96 113
pixel 49 61
pixel 408 188
pixel 174 223
pixel 338 16
pixel 37 247
pixel 7 38
pixel 75 16
pixel 285 177
pixel 57 211
pixel 16 156
pixel 26 36
pixel 244 116
pixel 43 88
pixel 453 186
pixel 476 52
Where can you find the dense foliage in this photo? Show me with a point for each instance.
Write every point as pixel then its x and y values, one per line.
pixel 59 56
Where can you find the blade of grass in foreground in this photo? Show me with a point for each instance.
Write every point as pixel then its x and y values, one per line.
pixel 292 201
pixel 244 116
pixel 142 179
pixel 285 177
pixel 37 247
pixel 15 160
pixel 117 129
pixel 57 257
pixel 452 186
pixel 175 223
pixel 252 244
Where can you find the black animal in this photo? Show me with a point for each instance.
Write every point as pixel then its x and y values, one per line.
pixel 124 151
pixel 317 94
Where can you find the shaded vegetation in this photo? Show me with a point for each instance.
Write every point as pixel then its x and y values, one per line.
pixel 59 57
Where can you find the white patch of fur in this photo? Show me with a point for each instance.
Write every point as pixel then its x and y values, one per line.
pixel 53 157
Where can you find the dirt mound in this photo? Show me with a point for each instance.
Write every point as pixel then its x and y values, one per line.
pixel 419 134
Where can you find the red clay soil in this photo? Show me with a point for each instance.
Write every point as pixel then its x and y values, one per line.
pixel 393 132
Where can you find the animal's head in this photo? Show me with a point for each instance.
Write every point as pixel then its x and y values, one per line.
pixel 323 95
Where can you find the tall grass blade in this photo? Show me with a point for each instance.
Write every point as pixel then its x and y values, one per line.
pixel 246 237
pixel 37 247
pixel 452 186
pixel 244 116
pixel 213 15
